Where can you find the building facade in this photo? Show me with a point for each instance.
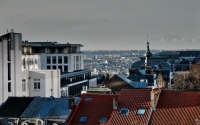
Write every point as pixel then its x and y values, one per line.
pixel 10 65
pixel 51 55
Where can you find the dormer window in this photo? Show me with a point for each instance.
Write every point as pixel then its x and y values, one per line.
pixel 141 111
pixel 124 111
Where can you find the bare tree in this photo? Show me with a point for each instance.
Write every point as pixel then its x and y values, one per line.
pixel 188 81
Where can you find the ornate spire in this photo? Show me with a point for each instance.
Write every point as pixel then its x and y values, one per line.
pixel 148 55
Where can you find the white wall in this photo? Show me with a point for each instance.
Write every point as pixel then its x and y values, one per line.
pixel 49 79
pixel 15 66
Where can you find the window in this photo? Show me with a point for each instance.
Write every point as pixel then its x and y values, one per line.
pixel 60 50
pixel 52 50
pixel 65 68
pixel 141 111
pixel 65 59
pixel 48 67
pixel 88 99
pixel 124 111
pixel 83 119
pixel 9 87
pixel 59 59
pixel 54 59
pixel 23 84
pixel 54 67
pixel 9 71
pixel 60 67
pixel 48 59
pixel 36 83
pixel 103 119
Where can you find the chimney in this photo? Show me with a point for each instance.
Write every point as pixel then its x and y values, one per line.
pixel 154 97
pixel 12 30
pixel 70 101
pixel 115 104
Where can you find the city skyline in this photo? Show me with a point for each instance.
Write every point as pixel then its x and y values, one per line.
pixel 106 25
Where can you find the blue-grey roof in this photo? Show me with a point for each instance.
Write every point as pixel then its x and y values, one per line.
pixel 48 44
pixel 139 84
pixel 124 78
pixel 134 84
pixel 45 108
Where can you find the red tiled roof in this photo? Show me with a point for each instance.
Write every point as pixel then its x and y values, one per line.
pixel 132 99
pixel 101 105
pixel 177 108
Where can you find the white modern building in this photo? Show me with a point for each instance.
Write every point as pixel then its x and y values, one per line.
pixel 40 68
pixel 51 55
pixel 10 65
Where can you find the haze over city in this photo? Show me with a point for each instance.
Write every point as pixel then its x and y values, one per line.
pixel 106 25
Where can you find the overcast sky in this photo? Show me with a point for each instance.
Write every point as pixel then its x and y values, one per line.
pixel 106 24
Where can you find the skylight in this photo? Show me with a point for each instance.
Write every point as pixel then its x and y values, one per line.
pixel 141 111
pixel 103 119
pixel 83 119
pixel 124 111
pixel 88 99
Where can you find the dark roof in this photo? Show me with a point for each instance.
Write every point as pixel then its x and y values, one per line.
pixel 79 72
pixel 99 106
pixel 189 53
pixel 177 108
pixel 15 106
pixel 45 107
pixel 133 99
pixel 116 83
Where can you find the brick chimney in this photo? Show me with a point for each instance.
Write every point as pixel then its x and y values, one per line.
pixel 154 95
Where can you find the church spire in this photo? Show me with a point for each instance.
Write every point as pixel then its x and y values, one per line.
pixel 148 54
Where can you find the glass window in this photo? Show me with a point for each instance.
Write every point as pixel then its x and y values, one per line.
pixel 124 111
pixel 65 68
pixel 60 67
pixel 54 59
pixel 65 59
pixel 52 50
pixel 60 50
pixel 103 119
pixel 83 119
pixel 59 59
pixel 36 83
pixel 141 111
pixel 9 87
pixel 23 84
pixel 54 67
pixel 88 99
pixel 48 59
pixel 48 67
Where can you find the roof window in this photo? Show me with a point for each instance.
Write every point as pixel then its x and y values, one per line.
pixel 103 119
pixel 141 111
pixel 88 99
pixel 83 119
pixel 124 111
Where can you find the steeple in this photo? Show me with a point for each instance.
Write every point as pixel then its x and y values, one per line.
pixel 148 55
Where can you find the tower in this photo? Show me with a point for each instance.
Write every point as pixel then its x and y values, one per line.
pixel 147 63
